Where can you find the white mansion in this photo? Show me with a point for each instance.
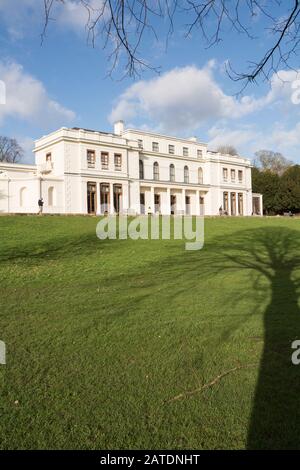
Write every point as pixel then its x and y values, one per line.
pixel 80 171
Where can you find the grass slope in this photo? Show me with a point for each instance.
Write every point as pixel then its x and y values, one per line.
pixel 102 335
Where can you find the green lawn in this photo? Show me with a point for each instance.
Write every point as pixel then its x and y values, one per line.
pixel 102 336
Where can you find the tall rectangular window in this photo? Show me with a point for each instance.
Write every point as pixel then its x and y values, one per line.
pixel 118 161
pixel 140 143
pixel 172 172
pixel 240 173
pixel 155 147
pixel 91 158
pixel 240 204
pixel 225 174
pixel 199 153
pixel 48 157
pixel 232 175
pixel 104 160
pixel 225 202
pixel 171 149
pixel 185 151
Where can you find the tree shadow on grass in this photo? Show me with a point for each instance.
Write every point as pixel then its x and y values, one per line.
pixel 275 418
pixel 273 254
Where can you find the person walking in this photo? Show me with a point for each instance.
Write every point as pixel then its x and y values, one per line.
pixel 41 204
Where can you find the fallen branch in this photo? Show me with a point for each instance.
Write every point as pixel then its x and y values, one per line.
pixel 210 384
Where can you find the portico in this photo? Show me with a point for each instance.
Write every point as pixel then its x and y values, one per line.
pixel 172 199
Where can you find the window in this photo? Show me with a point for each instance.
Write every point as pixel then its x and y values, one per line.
pixel 186 174
pixel 104 160
pixel 225 174
pixel 185 151
pixel 187 205
pixel 48 157
pixel 51 196
pixel 233 203
pixel 232 175
pixel 141 167
pixel 172 172
pixel 155 171
pixel 140 143
pixel 157 203
pixel 200 176
pixel 171 149
pixel 23 196
pixel 225 202
pixel 104 197
pixel 91 198
pixel 118 161
pixel 155 147
pixel 91 158
pixel 199 153
pixel 240 176
pixel 240 204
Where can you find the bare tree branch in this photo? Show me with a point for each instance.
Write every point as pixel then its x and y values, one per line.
pixel 123 26
pixel 10 150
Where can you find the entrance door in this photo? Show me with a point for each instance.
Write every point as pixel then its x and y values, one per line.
pixel 233 203
pixel 142 203
pixel 156 203
pixel 240 204
pixel 117 198
pixel 173 204
pixel 104 196
pixel 187 205
pixel 201 205
pixel 91 198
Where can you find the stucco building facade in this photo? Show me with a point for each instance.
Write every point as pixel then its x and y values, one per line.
pixel 80 171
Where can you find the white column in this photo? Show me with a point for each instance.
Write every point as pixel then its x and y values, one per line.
pixel 98 211
pixel 183 201
pixel 168 203
pixel 125 197
pixel 229 203
pixel 152 206
pixel 197 202
pixel 111 198
pixel 261 204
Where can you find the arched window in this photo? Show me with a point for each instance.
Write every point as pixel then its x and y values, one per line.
pixel 186 174
pixel 141 166
pixel 51 196
pixel 172 172
pixel 23 196
pixel 200 176
pixel 155 171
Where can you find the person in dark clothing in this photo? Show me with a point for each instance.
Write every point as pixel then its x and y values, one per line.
pixel 40 203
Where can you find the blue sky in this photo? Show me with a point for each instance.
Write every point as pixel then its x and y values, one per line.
pixel 64 83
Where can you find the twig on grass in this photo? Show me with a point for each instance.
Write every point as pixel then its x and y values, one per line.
pixel 209 384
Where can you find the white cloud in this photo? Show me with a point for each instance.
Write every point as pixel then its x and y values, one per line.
pixel 73 13
pixel 225 136
pixel 27 98
pixel 284 139
pixel 23 17
pixel 250 139
pixel 27 144
pixel 181 100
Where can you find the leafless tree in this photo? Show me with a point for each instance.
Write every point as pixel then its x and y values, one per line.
pixel 273 161
pixel 10 150
pixel 123 25
pixel 227 150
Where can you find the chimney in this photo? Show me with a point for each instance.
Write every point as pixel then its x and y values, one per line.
pixel 119 127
